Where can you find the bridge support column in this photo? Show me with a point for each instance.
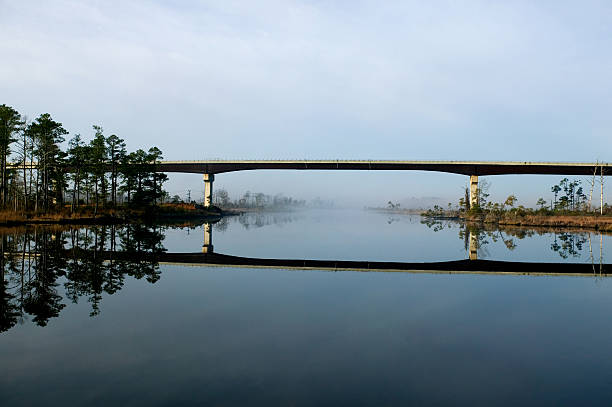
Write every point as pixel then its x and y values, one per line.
pixel 208 189
pixel 473 190
pixel 207 247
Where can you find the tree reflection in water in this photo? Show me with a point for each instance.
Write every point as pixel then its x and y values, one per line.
pixel 567 243
pixel 86 262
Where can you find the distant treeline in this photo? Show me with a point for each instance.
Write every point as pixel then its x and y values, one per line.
pixel 256 200
pixel 37 174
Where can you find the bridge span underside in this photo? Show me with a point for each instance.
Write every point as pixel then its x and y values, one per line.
pixel 455 167
pixel 473 169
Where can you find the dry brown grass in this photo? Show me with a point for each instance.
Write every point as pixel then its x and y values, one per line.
pixel 178 206
pixel 88 215
pixel 603 223
pixel 8 217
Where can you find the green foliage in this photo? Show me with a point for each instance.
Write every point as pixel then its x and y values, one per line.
pixel 86 171
pixel 483 192
pixel 47 134
pixel 510 201
pixel 573 197
pixel 142 184
pixel 10 124
pixel 116 152
pixel 568 198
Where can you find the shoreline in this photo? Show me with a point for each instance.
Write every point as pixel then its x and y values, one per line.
pixel 600 223
pixel 114 216
pixel 578 221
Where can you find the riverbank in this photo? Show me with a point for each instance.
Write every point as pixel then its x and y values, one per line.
pixel 527 217
pixel 595 222
pixel 106 216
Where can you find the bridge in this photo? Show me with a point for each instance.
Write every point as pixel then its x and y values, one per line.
pixel 473 169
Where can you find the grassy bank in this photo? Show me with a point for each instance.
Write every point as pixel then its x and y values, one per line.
pixel 87 215
pixel 583 221
pixel 527 217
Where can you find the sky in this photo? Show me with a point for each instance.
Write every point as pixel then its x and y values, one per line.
pixel 407 80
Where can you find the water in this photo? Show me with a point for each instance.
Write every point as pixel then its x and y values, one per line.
pixel 92 319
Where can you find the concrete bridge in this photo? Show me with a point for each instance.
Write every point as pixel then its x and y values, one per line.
pixel 473 169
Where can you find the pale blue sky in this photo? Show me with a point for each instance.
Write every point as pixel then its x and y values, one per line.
pixel 443 80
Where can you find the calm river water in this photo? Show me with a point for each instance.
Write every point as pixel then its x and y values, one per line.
pixel 125 315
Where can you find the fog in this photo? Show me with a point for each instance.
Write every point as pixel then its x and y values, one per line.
pixel 358 189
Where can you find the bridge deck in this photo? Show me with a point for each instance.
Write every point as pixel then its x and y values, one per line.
pixel 456 167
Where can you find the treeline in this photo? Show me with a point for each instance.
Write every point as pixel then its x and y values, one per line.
pixel 568 195
pixel 569 198
pixel 37 174
pixel 256 200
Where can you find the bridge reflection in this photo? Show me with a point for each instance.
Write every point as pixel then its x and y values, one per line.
pixel 208 257
pixel 456 266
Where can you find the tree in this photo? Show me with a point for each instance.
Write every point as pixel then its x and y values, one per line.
pixel 77 160
pixel 541 203
pixel 601 182
pixel 24 153
pixel 222 197
pixel 48 134
pixel 141 180
pixel 157 178
pixel 10 124
pixel 555 190
pixel 510 201
pixel 592 187
pixel 97 161
pixel 129 174
pixel 464 203
pixel 580 198
pixel 483 192
pixel 115 150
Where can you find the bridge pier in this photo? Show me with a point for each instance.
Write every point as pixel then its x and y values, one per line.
pixel 208 189
pixel 207 247
pixel 473 190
